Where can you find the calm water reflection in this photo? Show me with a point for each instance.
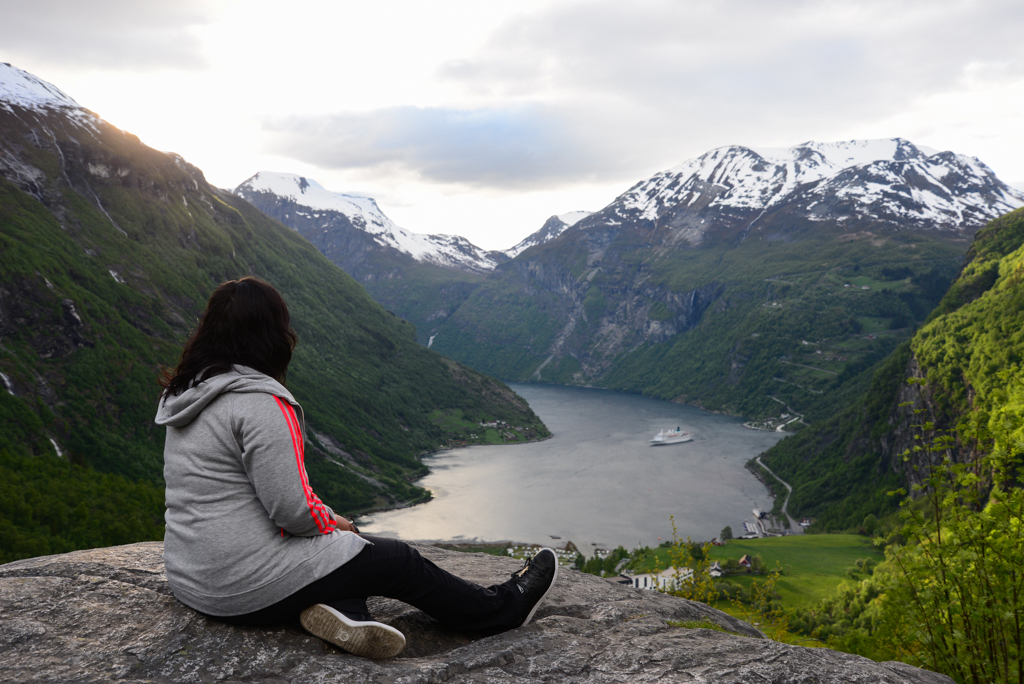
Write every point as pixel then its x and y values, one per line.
pixel 596 481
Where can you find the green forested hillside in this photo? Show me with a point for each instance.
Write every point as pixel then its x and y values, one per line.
pixel 757 329
pixel 961 363
pixel 424 294
pixel 109 251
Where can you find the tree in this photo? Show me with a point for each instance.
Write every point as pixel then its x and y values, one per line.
pixel 686 556
pixel 955 602
pixel 726 533
pixel 761 607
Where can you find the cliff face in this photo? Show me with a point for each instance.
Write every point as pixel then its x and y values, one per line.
pixel 973 346
pixel 108 614
pixel 600 305
pixel 915 404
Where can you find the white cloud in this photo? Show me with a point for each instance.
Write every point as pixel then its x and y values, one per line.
pixel 595 90
pixel 516 147
pixel 782 55
pixel 485 118
pixel 131 35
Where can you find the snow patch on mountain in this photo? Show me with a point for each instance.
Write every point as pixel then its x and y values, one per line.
pixel 19 88
pixel 571 218
pixel 890 180
pixel 552 228
pixel 444 250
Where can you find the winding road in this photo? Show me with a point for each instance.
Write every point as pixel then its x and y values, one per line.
pixel 793 522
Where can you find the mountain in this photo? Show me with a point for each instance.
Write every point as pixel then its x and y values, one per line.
pixel 729 192
pixel 552 228
pixel 333 220
pixel 756 282
pixel 110 250
pixel 421 278
pixel 960 367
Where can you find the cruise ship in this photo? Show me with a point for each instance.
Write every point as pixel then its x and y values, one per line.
pixel 671 437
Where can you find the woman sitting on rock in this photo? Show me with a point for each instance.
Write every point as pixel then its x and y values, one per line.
pixel 248 542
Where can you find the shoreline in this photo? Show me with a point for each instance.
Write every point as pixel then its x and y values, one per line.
pixel 430 496
pixel 397 506
pixel 424 454
pixel 674 400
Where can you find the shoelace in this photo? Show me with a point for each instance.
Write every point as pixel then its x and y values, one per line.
pixel 520 573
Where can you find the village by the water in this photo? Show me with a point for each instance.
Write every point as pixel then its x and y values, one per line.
pixel 761 525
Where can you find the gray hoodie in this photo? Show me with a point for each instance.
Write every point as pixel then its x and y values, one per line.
pixel 244 529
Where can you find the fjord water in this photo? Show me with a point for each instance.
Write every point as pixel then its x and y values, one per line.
pixel 596 481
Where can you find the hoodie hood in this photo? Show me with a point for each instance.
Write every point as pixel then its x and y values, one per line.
pixel 181 410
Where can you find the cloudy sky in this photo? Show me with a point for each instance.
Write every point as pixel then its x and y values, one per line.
pixel 483 118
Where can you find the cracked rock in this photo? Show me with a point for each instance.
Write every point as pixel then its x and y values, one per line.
pixel 108 615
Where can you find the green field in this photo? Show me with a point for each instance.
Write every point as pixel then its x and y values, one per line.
pixel 813 565
pixel 874 324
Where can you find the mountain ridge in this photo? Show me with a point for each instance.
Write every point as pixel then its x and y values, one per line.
pixel 861 183
pixel 732 248
pixel 597 298
pixel 552 228
pixel 362 212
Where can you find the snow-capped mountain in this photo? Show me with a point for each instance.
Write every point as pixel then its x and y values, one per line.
pixel 859 183
pixel 20 89
pixel 552 228
pixel 29 102
pixel 659 288
pixel 293 199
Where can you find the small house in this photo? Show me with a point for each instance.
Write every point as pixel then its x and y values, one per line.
pixel 666 580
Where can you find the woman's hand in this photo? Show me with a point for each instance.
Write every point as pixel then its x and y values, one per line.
pixel 344 524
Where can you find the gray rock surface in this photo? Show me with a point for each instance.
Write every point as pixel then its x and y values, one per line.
pixel 108 614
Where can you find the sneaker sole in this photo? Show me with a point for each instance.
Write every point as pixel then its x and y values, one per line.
pixel 546 592
pixel 367 639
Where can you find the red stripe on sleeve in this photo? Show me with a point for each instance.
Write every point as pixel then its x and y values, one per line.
pixel 323 521
pixel 328 521
pixel 315 506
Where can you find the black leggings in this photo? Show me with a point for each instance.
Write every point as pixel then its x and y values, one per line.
pixel 390 568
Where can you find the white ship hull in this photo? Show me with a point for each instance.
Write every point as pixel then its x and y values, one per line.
pixel 676 436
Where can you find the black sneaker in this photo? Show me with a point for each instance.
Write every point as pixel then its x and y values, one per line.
pixel 536 579
pixel 362 638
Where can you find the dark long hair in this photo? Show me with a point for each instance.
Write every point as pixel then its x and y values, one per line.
pixel 246 322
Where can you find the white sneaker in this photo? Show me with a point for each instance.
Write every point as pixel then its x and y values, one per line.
pixel 367 639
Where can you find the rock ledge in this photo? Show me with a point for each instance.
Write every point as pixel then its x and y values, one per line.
pixel 108 614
